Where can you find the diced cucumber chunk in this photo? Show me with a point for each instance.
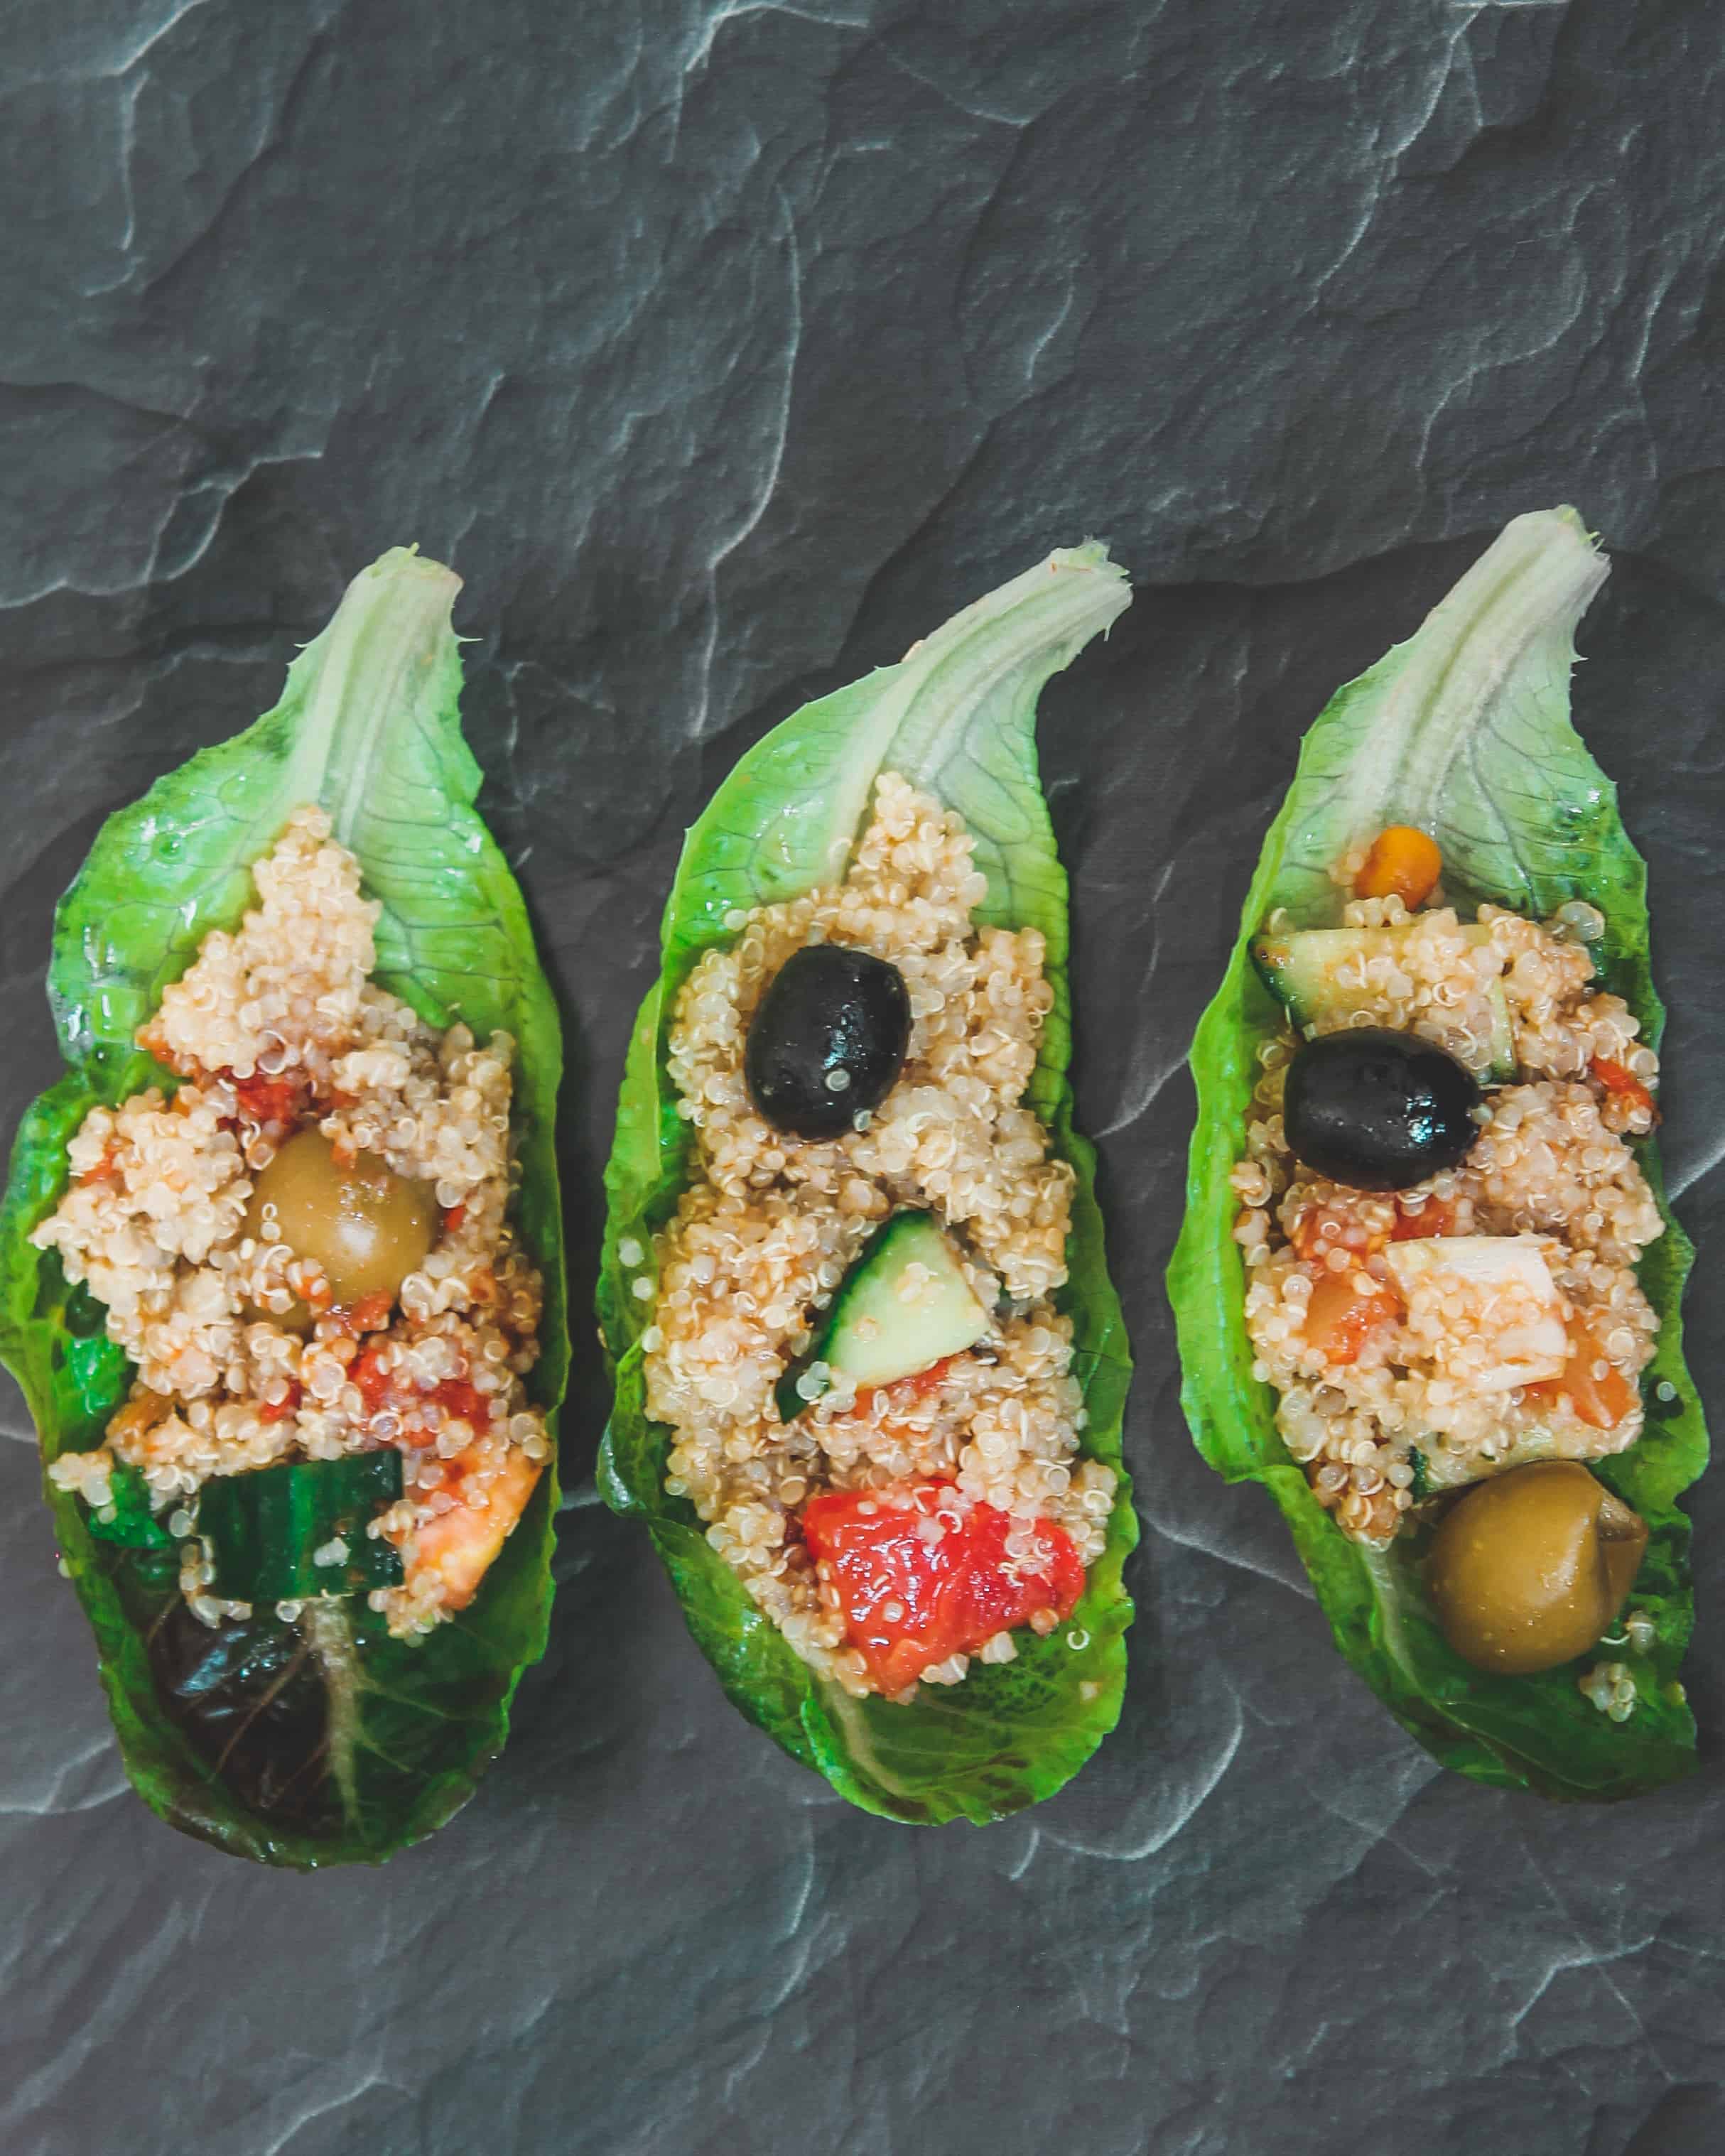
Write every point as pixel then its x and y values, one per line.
pixel 1303 971
pixel 288 1533
pixel 904 1306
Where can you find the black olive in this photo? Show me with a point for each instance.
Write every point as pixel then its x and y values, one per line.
pixel 1378 1111
pixel 827 1040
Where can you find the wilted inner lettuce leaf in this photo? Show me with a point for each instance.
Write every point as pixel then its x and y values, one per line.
pixel 323 1741
pixel 957 717
pixel 1465 730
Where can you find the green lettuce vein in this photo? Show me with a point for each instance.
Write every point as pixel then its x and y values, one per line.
pixel 956 717
pixel 352 1744
pixel 1465 730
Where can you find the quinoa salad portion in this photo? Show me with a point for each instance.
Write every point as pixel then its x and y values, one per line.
pixel 303 1248
pixel 1441 1214
pixel 853 1340
pixel 1396 1377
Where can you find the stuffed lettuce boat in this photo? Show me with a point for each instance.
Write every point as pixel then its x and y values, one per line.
pixel 280 1263
pixel 871 1370
pixel 1428 1287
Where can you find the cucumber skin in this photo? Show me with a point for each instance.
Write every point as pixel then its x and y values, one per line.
pixel 903 1227
pixel 262 1526
pixel 1273 970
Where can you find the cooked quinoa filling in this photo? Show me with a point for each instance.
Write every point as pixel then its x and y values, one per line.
pixel 1399 1375
pixel 770 1224
pixel 242 1357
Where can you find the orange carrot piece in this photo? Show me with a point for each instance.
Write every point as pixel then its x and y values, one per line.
pixel 1402 863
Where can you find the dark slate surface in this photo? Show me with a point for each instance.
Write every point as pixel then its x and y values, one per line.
pixel 725 349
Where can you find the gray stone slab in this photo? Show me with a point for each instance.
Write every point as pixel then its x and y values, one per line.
pixel 726 348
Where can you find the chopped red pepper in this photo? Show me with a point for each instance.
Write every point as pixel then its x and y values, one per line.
pixel 1615 1079
pixel 1437 1216
pixel 280 1410
pixel 915 1388
pixel 454 1215
pixel 269 1101
pixel 380 1389
pixel 1600 1402
pixel 916 1589
pixel 456 1397
pixel 1340 1317
pixel 374 1384
pixel 371 1313
pixel 1312 1243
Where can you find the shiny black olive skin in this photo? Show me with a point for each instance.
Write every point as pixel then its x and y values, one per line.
pixel 828 1012
pixel 1378 1111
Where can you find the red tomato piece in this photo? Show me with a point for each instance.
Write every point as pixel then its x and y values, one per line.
pixel 1322 1229
pixel 456 1397
pixel 1339 1317
pixel 1615 1079
pixel 915 1589
pixel 910 1389
pixel 269 1101
pixel 280 1410
pixel 373 1383
pixel 1600 1402
pixel 379 1388
pixel 1437 1216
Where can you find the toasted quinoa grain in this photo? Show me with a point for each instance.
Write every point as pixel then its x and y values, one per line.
pixel 274 1027
pixel 770 1224
pixel 1424 1405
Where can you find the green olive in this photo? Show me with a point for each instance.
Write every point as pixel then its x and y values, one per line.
pixel 1529 1568
pixel 366 1226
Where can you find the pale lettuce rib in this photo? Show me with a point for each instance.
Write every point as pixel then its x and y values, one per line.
pixel 1462 730
pixel 956 716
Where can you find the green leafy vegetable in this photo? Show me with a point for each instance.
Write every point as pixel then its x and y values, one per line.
pixel 281 1533
pixel 321 1741
pixel 957 717
pixel 1464 731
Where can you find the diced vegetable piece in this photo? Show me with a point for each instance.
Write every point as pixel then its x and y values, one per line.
pixel 1303 971
pixel 1431 1217
pixel 1401 863
pixel 1615 1079
pixel 1596 1388
pixel 1341 1316
pixel 134 1524
pixel 460 1545
pixel 268 1528
pixel 920 1577
pixel 1492 1289
pixel 904 1306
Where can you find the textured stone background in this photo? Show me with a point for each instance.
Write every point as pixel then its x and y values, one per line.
pixel 725 349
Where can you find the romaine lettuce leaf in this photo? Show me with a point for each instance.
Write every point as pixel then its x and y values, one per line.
pixel 956 717
pixel 324 1741
pixel 1463 729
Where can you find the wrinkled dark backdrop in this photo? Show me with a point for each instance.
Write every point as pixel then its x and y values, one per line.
pixel 726 348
